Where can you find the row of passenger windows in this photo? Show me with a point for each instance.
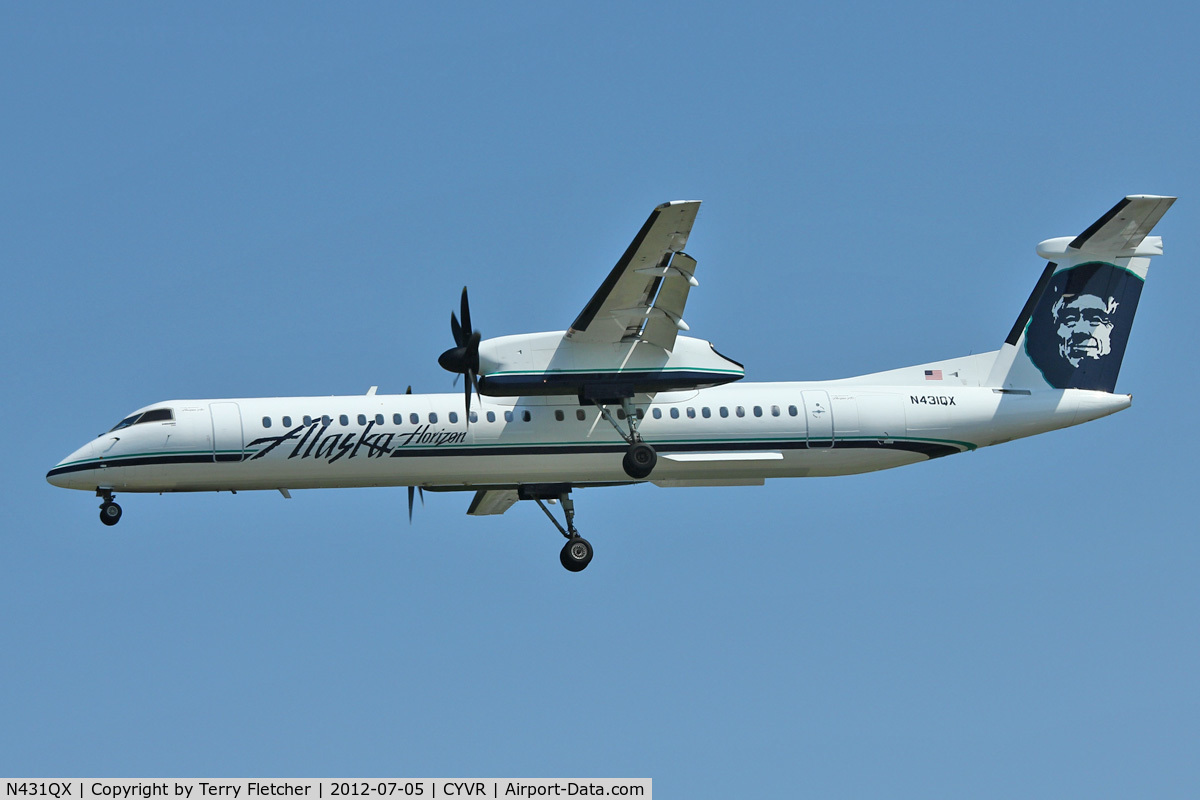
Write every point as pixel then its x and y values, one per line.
pixel 527 416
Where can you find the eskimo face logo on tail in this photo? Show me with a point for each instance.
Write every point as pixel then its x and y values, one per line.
pixel 1084 326
pixel 1078 332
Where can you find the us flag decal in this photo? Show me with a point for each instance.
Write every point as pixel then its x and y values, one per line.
pixel 933 374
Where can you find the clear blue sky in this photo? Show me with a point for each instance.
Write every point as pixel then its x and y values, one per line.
pixel 280 199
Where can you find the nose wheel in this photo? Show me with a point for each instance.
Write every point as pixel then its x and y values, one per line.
pixel 577 552
pixel 110 512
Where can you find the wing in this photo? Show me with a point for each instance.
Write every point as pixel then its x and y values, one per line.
pixel 644 295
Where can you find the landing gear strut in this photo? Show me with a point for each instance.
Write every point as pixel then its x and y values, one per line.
pixel 110 512
pixel 577 552
pixel 640 458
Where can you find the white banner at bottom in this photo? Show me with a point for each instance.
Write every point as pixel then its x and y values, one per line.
pixel 314 789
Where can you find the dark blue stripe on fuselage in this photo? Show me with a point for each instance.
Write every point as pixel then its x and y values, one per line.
pixel 928 449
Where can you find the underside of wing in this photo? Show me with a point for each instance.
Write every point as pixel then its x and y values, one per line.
pixel 642 299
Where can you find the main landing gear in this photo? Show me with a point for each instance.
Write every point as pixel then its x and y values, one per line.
pixel 110 512
pixel 577 552
pixel 640 458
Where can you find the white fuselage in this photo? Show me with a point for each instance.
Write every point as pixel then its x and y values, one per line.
pixel 734 434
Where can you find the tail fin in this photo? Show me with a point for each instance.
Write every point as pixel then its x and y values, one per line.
pixel 1072 332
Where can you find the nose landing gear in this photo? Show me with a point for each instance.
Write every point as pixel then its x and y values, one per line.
pixel 110 512
pixel 577 552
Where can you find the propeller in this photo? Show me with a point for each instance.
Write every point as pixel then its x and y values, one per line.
pixel 463 358
pixel 412 491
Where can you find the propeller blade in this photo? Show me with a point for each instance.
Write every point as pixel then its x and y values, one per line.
pixel 472 352
pixel 456 330
pixel 475 382
pixel 466 313
pixel 408 390
pixel 414 490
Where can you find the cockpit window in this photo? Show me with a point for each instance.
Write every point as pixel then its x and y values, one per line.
pixel 157 415
pixel 154 415
pixel 125 423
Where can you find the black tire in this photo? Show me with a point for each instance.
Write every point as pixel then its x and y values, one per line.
pixel 640 460
pixel 110 513
pixel 576 554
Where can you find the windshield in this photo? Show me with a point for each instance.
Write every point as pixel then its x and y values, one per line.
pixel 154 415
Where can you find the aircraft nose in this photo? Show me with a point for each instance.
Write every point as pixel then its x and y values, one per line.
pixel 66 472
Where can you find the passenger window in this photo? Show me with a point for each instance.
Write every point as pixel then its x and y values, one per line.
pixel 508 416
pixel 379 419
pixel 656 413
pixel 453 416
pixel 792 411
pixel 774 411
pixel 758 411
pixel 558 414
pixel 326 420
pixel 397 419
pixel 432 417
pixel 414 419
pixel 704 412
pixel 473 417
pixel 724 411
pixel 641 414
pixel 287 422
pixel 266 422
pixel 674 413
pixel 307 420
pixel 580 414
pixel 620 413
pixel 362 419
pixel 528 416
pixel 741 411
pixel 342 418
pixel 691 412
pixel 491 416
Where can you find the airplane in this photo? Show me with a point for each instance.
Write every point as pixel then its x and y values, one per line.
pixel 621 397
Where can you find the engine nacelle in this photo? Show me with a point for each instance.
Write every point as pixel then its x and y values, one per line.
pixel 550 364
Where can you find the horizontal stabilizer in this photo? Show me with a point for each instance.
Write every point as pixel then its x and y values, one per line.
pixel 1122 229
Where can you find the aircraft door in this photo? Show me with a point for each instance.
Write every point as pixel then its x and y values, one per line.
pixel 818 413
pixel 227 431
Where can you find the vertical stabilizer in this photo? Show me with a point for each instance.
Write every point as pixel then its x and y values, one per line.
pixel 1072 332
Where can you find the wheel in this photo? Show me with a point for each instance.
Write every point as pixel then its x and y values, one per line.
pixel 639 460
pixel 576 554
pixel 110 513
